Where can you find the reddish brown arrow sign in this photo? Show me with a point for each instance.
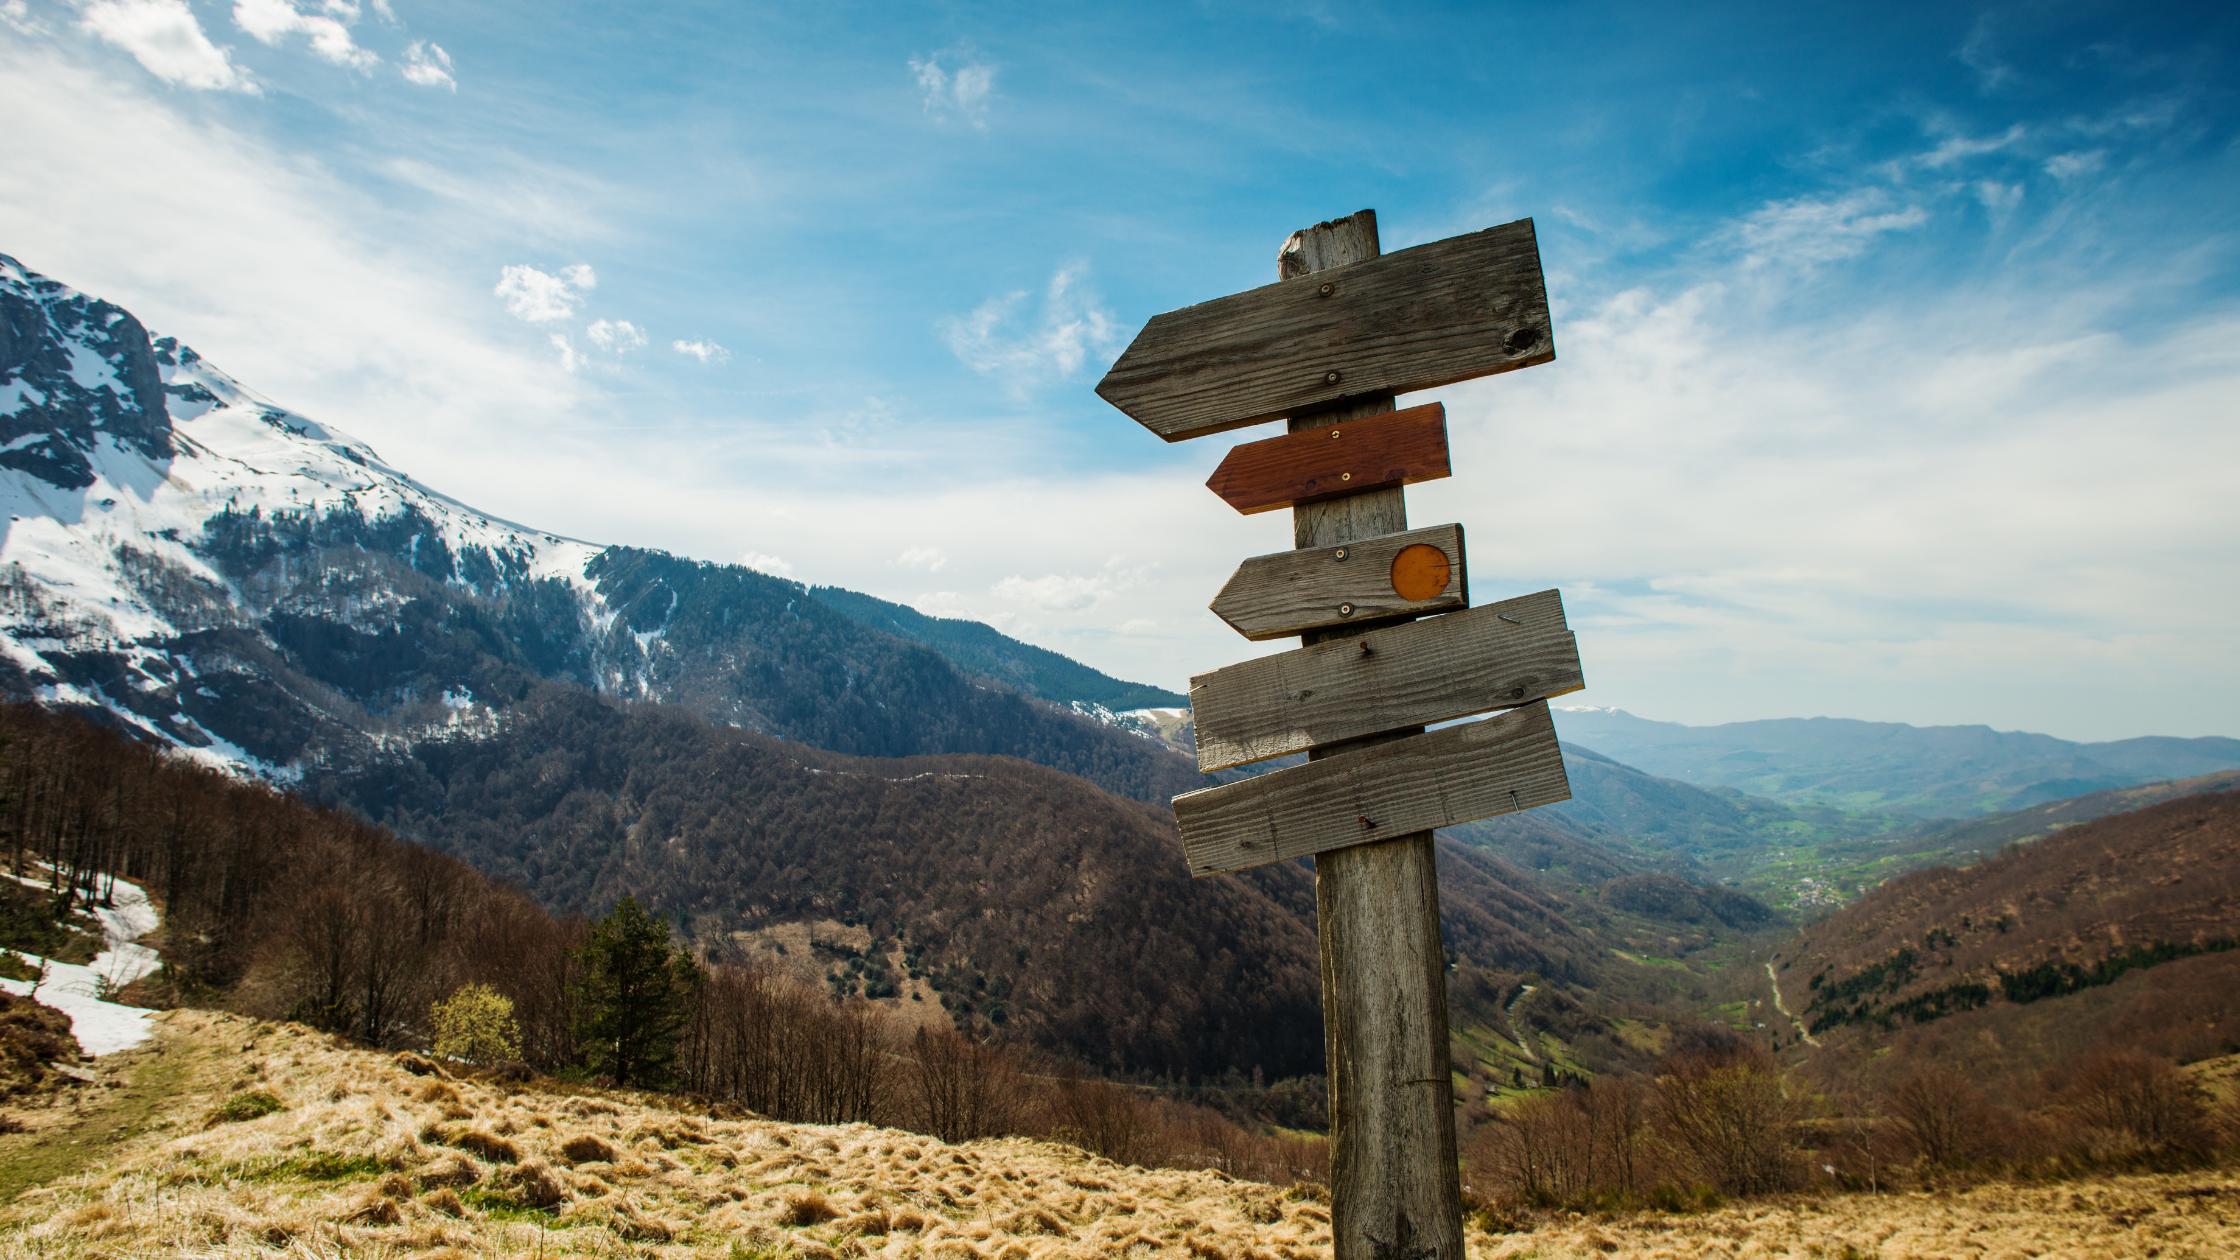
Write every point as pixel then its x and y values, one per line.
pixel 1399 448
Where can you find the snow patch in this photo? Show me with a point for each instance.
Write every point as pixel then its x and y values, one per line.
pixel 102 1027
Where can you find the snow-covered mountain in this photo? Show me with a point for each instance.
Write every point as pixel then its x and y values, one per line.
pixel 264 592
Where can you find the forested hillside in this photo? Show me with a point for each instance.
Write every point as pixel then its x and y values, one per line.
pixel 2130 922
pixel 981 649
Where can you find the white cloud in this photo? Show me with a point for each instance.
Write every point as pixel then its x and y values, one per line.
pixel 1138 625
pixel 2070 165
pixel 1070 593
pixel 705 351
pixel 1071 325
pixel 1960 148
pixel 963 92
pixel 930 559
pixel 268 21
pixel 618 335
pixel 569 359
pixel 17 14
pixel 532 295
pixel 167 41
pixel 427 64
pixel 766 564
pixel 2000 199
pixel 1807 230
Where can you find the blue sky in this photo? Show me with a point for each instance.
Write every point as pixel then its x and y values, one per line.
pixel 1898 346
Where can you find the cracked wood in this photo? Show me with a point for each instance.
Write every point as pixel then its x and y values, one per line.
pixel 1504 764
pixel 1499 656
pixel 1453 310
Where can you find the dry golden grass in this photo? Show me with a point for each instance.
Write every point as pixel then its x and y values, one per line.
pixel 365 1158
pixel 2164 1217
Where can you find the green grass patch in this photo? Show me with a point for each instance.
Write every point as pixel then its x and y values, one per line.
pixel 310 1166
pixel 501 1205
pixel 252 1105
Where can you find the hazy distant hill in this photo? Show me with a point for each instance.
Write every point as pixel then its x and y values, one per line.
pixel 1936 771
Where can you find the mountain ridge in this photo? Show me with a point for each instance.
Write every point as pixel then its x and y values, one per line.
pixel 1928 772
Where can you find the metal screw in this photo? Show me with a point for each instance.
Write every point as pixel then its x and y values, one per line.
pixel 1330 378
pixel 1329 289
pixel 1365 823
pixel 1345 476
pixel 1333 434
pixel 1511 620
pixel 1345 610
pixel 1341 553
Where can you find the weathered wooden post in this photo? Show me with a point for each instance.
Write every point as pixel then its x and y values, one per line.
pixel 1328 347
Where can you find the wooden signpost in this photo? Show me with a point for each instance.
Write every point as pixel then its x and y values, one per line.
pixel 1327 347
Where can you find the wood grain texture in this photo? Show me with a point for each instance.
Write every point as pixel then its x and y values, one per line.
pixel 1395 1194
pixel 1503 764
pixel 1398 448
pixel 1326 245
pixel 1499 656
pixel 1295 592
pixel 1394 1189
pixel 1453 310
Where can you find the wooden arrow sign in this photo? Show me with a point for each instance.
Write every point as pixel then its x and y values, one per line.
pixel 1506 763
pixel 1292 592
pixel 1453 310
pixel 1500 656
pixel 1398 448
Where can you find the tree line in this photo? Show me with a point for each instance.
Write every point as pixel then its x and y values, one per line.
pixel 288 911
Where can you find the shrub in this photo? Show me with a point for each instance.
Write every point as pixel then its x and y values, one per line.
pixel 1724 1110
pixel 2124 1103
pixel 476 1024
pixel 1943 1118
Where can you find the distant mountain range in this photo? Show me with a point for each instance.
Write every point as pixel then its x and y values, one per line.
pixel 1928 772
pixel 189 561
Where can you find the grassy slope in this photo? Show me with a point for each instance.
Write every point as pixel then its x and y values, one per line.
pixel 356 1164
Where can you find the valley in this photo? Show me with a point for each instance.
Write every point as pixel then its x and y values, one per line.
pixel 369 749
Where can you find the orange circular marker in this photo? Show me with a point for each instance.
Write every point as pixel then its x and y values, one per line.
pixel 1420 572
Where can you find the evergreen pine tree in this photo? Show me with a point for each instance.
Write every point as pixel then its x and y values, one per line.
pixel 635 995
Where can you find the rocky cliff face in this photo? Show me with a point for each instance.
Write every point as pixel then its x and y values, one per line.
pixel 73 368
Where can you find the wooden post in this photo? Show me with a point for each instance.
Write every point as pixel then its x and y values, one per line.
pixel 1396 1192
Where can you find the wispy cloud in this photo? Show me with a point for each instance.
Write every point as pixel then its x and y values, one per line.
pixel 930 559
pixel 1992 73
pixel 1069 592
pixel 705 351
pixel 960 93
pixel 570 359
pixel 1070 325
pixel 618 335
pixel 167 41
pixel 1957 148
pixel 268 21
pixel 1804 231
pixel 2065 166
pixel 540 298
pixel 427 64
